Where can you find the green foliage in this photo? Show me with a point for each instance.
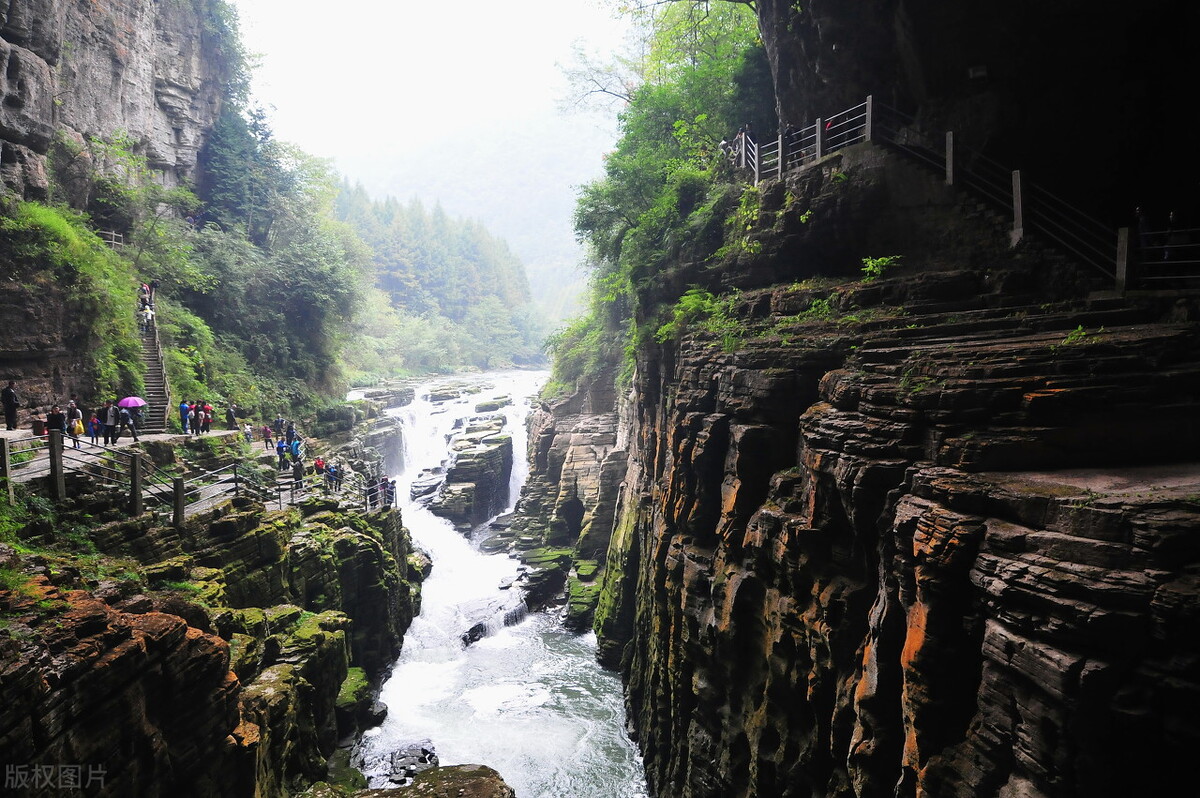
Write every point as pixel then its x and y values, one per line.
pixel 458 296
pixel 702 75
pixel 576 350
pixel 873 268
pixel 710 313
pixel 224 48
pixel 43 244
pixel 743 221
pixel 1076 337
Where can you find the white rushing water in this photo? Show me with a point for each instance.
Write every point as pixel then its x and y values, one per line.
pixel 529 699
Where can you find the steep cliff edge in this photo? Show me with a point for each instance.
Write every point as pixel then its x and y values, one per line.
pixel 923 534
pixel 152 70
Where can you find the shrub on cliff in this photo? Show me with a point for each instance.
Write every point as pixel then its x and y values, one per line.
pixel 662 195
pixel 53 248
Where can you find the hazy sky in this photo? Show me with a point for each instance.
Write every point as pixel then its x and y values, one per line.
pixel 450 102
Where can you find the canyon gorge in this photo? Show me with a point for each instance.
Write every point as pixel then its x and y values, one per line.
pixel 905 503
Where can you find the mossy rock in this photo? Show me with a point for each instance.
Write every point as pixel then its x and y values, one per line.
pixel 282 616
pixel 547 557
pixel 318 504
pixel 344 778
pixel 176 569
pixel 325 790
pixel 581 604
pixel 245 655
pixel 490 405
pixel 355 690
pixel 420 566
pixel 455 781
pixel 586 570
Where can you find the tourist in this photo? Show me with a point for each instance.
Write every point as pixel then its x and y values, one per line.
pixel 296 450
pixel 127 420
pixel 231 415
pixel 331 475
pixel 291 432
pixel 93 427
pixel 111 416
pixel 10 400
pixel 281 449
pixel 74 423
pixel 266 433
pixel 339 475
pixel 248 433
pixel 56 419
pixel 279 422
pixel 319 467
pixel 298 475
pixel 184 410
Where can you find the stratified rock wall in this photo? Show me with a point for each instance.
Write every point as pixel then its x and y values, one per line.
pixel 145 68
pixel 224 679
pixel 929 541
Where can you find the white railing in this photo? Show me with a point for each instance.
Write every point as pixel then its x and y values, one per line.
pixel 1161 255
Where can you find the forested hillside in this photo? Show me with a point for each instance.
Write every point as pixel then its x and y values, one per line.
pixel 457 294
pixel 265 296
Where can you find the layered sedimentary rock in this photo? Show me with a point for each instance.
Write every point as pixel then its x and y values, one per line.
pixel 476 484
pixel 920 535
pixel 564 519
pixel 226 657
pixel 136 701
pixel 151 70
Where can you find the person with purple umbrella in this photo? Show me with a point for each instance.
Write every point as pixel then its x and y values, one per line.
pixel 130 414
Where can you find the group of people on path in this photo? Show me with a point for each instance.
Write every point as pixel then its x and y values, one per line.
pixel 196 417
pixel 145 306
pixel 110 421
pixel 282 437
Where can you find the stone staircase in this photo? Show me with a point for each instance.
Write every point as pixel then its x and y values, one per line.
pixel 157 395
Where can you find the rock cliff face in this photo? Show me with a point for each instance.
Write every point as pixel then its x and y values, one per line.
pixel 148 68
pixel 918 535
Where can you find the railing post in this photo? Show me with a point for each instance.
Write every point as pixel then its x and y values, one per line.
pixel 236 484
pixel 820 145
pixel 1018 231
pixel 949 157
pixel 1122 259
pixel 135 485
pixel 58 483
pixel 782 155
pixel 180 503
pixel 6 471
pixel 757 164
pixel 869 121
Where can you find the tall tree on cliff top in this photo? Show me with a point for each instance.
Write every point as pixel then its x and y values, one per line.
pixel 702 73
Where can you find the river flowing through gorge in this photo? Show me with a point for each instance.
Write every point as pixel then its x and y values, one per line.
pixel 528 699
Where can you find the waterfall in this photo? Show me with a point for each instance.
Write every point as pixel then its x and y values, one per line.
pixel 480 678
